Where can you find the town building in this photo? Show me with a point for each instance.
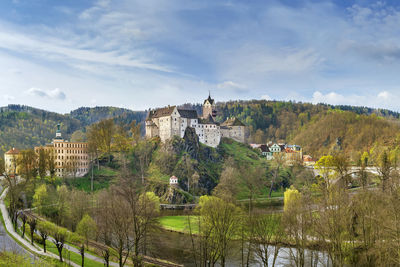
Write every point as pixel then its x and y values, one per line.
pixel 71 158
pixel 11 161
pixel 172 121
pixel 293 154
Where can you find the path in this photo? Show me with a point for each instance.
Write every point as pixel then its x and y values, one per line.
pixel 28 248
pixel 9 244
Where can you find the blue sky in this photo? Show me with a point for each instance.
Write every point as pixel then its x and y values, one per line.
pixel 60 55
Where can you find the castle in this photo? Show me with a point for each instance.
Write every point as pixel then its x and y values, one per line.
pixel 173 121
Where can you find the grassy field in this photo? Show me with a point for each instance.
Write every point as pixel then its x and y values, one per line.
pixel 180 223
pixel 102 179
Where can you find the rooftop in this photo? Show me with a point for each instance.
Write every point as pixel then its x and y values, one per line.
pixel 232 122
pixel 12 151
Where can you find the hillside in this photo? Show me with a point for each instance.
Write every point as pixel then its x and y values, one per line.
pixel 315 127
pixel 305 124
pixel 25 127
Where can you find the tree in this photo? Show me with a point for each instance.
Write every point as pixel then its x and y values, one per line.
pixel 79 204
pixel 122 142
pixel 267 230
pixel 78 136
pixel 325 167
pixel 142 152
pixel 341 166
pixel 135 131
pixel 2 166
pixel 24 219
pixel 42 163
pixel 115 227
pixel 94 143
pixel 32 224
pixel 41 198
pixel 63 204
pixel 105 134
pixel 60 236
pixel 363 164
pixel 297 218
pixel 276 164
pixel 333 222
pixel 143 209
pixel 14 193
pixel 44 228
pixel 51 163
pixel 384 165
pixel 28 164
pixel 87 228
pixel 219 222
pixel 228 185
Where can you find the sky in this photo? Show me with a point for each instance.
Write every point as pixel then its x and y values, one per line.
pixel 61 55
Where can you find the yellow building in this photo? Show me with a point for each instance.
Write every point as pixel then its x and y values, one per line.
pixel 10 161
pixel 71 158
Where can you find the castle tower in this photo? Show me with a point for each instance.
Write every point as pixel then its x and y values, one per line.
pixel 209 108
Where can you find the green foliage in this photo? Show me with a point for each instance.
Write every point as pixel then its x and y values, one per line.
pixel 25 127
pixel 10 259
pixel 41 198
pixel 87 228
pixel 291 197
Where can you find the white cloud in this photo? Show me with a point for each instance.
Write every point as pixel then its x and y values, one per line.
pixel 230 85
pixel 330 98
pixel 51 94
pixel 8 97
pixel 266 97
pixel 385 95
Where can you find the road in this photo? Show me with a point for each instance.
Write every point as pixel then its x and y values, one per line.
pixel 7 243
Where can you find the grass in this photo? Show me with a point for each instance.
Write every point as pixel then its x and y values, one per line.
pixel 101 179
pixel 180 223
pixel 74 257
pixel 240 152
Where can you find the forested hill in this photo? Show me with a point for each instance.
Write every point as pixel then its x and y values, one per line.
pixel 315 127
pixel 26 127
pixel 318 128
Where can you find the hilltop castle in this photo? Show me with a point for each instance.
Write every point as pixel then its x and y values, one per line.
pixel 169 121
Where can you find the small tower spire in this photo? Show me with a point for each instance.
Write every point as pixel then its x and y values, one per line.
pixel 58 132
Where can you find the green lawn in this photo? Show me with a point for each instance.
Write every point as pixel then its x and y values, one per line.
pixel 180 223
pixel 76 258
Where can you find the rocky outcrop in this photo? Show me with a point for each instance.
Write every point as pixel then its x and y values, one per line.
pixel 175 195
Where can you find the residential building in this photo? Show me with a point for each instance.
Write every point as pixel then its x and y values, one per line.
pixel 71 158
pixel 10 161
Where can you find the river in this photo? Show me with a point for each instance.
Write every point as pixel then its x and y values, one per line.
pixel 177 247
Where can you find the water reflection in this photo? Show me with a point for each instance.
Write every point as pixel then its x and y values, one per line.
pixel 177 248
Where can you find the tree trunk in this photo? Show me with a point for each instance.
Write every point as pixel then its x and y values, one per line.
pixel 44 244
pixel 82 251
pixel 60 248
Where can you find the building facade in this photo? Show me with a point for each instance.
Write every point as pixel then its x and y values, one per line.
pixel 11 161
pixel 71 158
pixel 172 121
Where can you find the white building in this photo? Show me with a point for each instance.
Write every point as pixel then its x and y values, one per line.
pixel 172 121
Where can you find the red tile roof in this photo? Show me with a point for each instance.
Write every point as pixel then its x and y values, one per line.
pixel 13 151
